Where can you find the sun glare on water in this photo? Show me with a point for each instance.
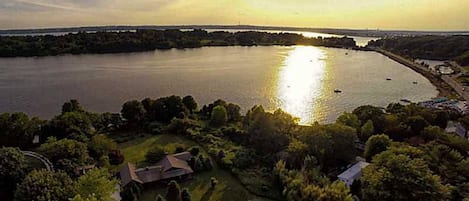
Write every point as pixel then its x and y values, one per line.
pixel 299 84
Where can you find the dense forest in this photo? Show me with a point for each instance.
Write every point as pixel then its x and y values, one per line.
pixel 145 40
pixel 411 156
pixel 428 47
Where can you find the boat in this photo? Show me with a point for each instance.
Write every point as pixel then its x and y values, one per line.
pixel 388 79
pixel 337 91
pixel 406 101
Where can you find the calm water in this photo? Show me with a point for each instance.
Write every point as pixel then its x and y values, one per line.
pixel 299 79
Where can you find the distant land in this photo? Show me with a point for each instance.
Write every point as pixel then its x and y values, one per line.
pixel 348 32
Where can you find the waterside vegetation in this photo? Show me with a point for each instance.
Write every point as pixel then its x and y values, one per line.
pixel 262 155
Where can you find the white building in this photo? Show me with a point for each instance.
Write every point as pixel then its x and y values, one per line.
pixel 353 173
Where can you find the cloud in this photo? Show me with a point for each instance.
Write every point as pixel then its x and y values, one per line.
pixel 48 5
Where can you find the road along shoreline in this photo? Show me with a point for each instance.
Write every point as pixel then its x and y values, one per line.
pixel 444 85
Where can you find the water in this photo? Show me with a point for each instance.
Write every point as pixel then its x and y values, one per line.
pixel 298 79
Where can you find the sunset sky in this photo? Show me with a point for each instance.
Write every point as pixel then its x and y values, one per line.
pixel 360 14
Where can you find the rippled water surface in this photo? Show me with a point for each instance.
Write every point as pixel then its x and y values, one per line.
pixel 298 79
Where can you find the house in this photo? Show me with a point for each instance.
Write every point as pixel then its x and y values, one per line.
pixel 457 129
pixel 170 167
pixel 353 173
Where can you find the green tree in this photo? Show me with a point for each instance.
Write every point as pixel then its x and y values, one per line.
pixel 336 191
pixel 186 195
pixel 173 192
pixel 131 192
pixel 376 144
pixel 100 145
pixel 332 145
pixel 66 154
pixel 12 168
pixel 154 155
pixel 233 111
pixel 133 111
pixel 96 183
pixel 44 185
pixel 349 119
pixel 68 124
pixel 367 130
pixel 18 130
pixel 219 116
pixel 189 103
pixel 398 175
pixel 416 124
pixel 72 106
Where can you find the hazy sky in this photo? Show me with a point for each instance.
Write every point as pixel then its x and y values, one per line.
pixel 383 14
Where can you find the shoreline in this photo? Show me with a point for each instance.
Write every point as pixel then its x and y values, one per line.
pixel 444 89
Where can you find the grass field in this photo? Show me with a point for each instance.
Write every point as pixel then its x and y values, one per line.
pixel 227 189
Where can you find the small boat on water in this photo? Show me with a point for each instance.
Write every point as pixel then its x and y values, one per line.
pixel 388 79
pixel 337 91
pixel 406 101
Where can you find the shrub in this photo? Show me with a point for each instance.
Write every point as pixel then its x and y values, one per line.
pixel 154 155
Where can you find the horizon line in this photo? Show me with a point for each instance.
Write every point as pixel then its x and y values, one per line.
pixel 230 26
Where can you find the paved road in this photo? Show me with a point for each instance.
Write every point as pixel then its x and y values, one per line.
pixel 448 79
pixel 43 159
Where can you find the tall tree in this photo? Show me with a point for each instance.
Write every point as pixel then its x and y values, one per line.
pixel 133 111
pixel 96 183
pixel 18 130
pixel 219 116
pixel 185 195
pixel 376 144
pixel 400 175
pixel 66 154
pixel 173 192
pixel 349 119
pixel 72 106
pixel 12 169
pixel 100 145
pixel 44 185
pixel 189 103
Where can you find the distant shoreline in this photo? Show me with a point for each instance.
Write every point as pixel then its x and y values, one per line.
pixel 148 40
pixel 444 89
pixel 347 32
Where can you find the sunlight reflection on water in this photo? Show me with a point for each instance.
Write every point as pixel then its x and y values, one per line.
pixel 300 82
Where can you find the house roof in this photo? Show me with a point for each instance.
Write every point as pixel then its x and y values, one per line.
pixel 353 172
pixel 168 167
pixel 185 156
pixel 170 161
pixel 127 174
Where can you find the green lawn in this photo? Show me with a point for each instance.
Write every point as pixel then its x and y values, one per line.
pixel 228 188
pixel 33 163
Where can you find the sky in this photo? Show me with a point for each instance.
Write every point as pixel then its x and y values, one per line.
pixel 355 14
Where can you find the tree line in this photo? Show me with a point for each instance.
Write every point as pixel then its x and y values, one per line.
pixel 428 47
pixel 146 40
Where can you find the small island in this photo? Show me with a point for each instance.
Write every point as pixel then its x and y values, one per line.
pixel 148 40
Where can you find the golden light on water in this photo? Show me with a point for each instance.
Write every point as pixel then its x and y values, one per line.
pixel 300 82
